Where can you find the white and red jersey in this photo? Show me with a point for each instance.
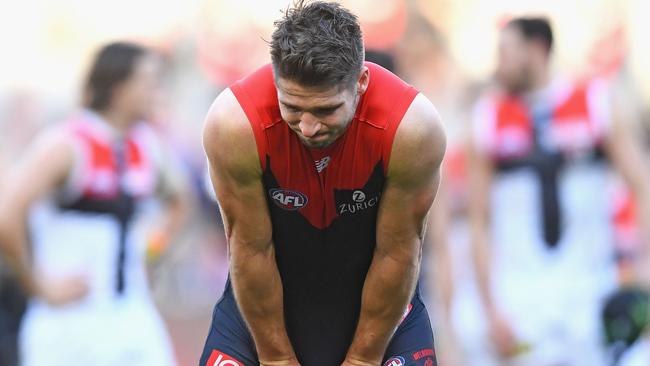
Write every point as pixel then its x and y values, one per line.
pixel 578 119
pixel 550 214
pixel 96 217
pixel 548 142
pixel 96 226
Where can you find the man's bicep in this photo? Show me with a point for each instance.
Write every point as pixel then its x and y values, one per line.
pixel 624 148
pixel 235 173
pixel 479 181
pixel 402 217
pixel 44 167
pixel 413 177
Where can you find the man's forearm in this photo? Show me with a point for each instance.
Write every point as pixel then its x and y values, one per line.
pixel 643 203
pixel 482 272
pixel 13 243
pixel 258 291
pixel 389 286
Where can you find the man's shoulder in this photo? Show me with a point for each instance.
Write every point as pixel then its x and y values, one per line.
pixel 387 98
pixel 385 85
pixel 421 121
pixel 226 117
pixel 420 138
pixel 257 95
pixel 262 76
pixel 227 134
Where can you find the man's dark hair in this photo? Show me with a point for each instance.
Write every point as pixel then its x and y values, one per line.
pixel 534 29
pixel 317 44
pixel 113 64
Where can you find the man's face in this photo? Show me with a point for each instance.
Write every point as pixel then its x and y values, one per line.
pixel 137 94
pixel 318 115
pixel 514 61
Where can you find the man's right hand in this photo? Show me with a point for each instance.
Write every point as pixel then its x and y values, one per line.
pixel 502 335
pixel 59 292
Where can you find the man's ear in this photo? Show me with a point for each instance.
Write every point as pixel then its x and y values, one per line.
pixel 364 80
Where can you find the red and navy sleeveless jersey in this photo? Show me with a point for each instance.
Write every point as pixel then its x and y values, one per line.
pixel 323 205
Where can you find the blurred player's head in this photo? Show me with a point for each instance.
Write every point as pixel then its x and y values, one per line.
pixel 123 79
pixel 317 53
pixel 524 51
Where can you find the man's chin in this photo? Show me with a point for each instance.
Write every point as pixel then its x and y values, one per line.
pixel 315 144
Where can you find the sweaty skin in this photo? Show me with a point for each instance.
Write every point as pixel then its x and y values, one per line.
pixel 411 185
pixel 412 181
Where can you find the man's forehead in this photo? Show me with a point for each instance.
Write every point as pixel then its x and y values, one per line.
pixel 294 89
pixel 512 34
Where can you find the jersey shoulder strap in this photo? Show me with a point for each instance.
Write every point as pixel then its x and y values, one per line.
pixel 384 104
pixel 257 96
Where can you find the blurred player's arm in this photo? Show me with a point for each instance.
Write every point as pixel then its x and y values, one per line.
pixel 237 180
pixel 480 178
pixel 411 184
pixel 45 166
pixel 440 274
pixel 628 157
pixel 437 240
pixel 174 190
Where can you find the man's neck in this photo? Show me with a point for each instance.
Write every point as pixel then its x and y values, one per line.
pixel 539 82
pixel 118 120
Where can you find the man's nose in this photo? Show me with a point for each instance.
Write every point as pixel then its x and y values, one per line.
pixel 309 125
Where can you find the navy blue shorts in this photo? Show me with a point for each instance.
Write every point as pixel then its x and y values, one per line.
pixel 229 343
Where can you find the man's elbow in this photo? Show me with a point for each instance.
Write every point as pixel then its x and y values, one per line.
pixel 404 257
pixel 243 250
pixel 5 230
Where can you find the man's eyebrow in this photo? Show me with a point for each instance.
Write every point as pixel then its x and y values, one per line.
pixel 326 107
pixel 289 105
pixel 320 107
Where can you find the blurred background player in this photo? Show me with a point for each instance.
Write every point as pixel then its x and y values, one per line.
pixel 540 162
pixel 73 218
pixel 19 119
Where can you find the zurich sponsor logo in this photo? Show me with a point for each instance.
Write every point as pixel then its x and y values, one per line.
pixel 358 196
pixel 360 202
pixel 395 361
pixel 288 200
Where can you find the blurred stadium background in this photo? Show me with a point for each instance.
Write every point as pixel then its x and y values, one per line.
pixel 445 48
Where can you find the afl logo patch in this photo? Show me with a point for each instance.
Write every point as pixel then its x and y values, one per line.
pixel 288 200
pixel 395 361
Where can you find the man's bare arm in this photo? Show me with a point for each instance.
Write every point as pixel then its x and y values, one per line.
pixel 412 181
pixel 45 166
pixel 174 190
pixel 480 179
pixel 480 175
pixel 236 177
pixel 625 151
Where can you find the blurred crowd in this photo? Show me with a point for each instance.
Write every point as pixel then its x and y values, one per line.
pixel 459 55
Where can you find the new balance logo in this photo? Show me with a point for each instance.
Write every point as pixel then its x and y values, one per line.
pixel 322 163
